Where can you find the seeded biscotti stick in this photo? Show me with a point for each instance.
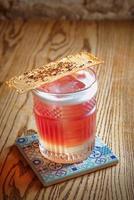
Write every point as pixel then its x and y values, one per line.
pixel 52 71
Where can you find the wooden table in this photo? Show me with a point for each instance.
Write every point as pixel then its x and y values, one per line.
pixel 25 44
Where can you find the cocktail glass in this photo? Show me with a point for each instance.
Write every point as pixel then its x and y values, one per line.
pixel 65 114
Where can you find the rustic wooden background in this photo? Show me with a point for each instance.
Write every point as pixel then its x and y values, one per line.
pixel 25 44
pixel 68 9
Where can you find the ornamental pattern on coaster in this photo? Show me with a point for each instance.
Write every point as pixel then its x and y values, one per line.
pixel 50 173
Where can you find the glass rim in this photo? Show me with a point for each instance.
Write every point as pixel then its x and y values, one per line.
pixel 37 90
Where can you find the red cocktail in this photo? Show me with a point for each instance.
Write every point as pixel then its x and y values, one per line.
pixel 65 114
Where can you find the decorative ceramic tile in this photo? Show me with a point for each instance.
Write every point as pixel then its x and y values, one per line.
pixel 50 173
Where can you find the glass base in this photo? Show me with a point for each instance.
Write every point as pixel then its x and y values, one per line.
pixel 67 157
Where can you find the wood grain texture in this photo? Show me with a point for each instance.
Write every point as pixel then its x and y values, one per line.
pixel 30 43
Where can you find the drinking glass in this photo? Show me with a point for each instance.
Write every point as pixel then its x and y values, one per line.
pixel 65 115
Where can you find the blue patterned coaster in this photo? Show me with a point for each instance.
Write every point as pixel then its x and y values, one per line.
pixel 50 173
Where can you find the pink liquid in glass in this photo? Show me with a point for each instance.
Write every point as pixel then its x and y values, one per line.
pixel 66 120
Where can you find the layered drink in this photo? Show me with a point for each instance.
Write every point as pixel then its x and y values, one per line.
pixel 65 114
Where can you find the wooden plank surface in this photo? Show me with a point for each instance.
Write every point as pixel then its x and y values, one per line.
pixel 30 43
